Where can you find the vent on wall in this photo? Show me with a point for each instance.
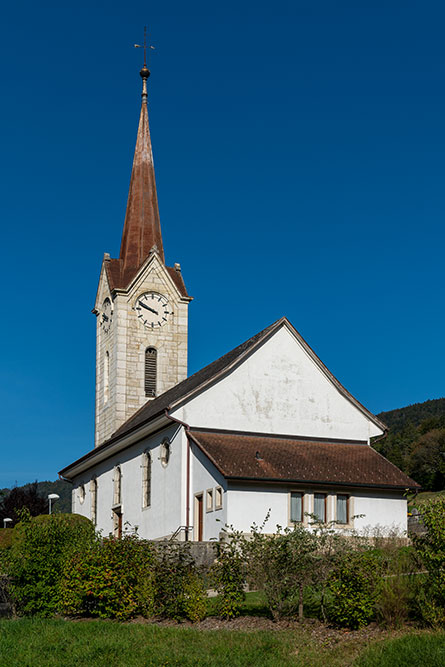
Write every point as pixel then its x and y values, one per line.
pixel 150 371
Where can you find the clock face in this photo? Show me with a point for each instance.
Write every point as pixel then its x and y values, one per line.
pixel 153 310
pixel 107 315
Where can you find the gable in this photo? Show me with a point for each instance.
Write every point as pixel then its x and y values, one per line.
pixel 281 388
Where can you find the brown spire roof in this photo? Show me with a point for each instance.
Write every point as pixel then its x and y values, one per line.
pixel 142 228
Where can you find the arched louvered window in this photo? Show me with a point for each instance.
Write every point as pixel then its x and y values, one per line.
pixel 150 371
pixel 117 479
pixel 146 479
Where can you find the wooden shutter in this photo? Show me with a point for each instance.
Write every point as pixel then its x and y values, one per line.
pixel 150 371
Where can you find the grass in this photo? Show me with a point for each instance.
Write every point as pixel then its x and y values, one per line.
pixel 423 496
pixel 254 605
pixel 54 642
pixel 416 649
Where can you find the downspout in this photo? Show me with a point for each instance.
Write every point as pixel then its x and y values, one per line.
pixel 187 491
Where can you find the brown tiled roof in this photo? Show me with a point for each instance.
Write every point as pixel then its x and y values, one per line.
pixel 120 278
pixel 283 459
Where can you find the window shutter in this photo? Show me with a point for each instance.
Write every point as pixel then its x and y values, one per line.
pixel 150 371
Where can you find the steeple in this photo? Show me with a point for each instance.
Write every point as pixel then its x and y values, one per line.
pixel 142 227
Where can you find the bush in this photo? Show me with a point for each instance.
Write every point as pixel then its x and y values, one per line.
pixel 281 565
pixel 179 588
pixel 112 579
pixel 353 584
pixel 5 538
pixel 227 576
pixel 40 546
pixel 430 549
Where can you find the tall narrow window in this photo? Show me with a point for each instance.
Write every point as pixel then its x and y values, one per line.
pixel 320 506
pixel 150 371
pixel 106 376
pixel 146 479
pixel 296 507
pixel 117 480
pixel 93 498
pixel 342 508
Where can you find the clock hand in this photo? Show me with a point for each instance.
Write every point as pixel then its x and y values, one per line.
pixel 104 317
pixel 148 307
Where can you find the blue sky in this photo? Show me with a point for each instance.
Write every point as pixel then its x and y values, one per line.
pixel 299 153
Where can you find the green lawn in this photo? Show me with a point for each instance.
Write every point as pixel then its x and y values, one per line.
pixel 49 643
pixel 412 650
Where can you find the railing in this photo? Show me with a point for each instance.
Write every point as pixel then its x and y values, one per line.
pixel 182 529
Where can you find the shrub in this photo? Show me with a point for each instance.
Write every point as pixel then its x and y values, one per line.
pixel 5 538
pixel 179 588
pixel 353 584
pixel 430 549
pixel 281 565
pixel 112 579
pixel 227 576
pixel 40 546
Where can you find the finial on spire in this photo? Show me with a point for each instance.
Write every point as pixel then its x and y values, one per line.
pixel 145 72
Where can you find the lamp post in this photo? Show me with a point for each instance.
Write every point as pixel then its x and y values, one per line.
pixel 6 521
pixel 52 496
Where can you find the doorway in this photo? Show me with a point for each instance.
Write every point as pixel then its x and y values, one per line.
pixel 117 522
pixel 199 516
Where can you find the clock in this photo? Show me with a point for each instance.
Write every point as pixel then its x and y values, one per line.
pixel 153 310
pixel 107 315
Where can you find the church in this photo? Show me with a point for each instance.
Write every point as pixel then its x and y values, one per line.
pixel 264 430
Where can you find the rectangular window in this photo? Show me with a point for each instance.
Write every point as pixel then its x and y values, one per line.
pixel 218 498
pixel 296 507
pixel 209 500
pixel 342 508
pixel 320 506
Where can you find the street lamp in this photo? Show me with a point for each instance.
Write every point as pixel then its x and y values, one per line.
pixel 6 521
pixel 52 496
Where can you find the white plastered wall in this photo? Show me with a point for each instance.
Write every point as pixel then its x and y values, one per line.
pixel 205 476
pixel 167 510
pixel 279 389
pixel 248 505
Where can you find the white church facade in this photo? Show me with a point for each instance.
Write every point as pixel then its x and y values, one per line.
pixel 265 429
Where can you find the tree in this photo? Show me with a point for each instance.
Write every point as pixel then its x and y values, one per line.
pixel 21 497
pixel 427 460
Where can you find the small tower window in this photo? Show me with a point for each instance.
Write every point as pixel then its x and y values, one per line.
pixel 117 495
pixel 150 371
pixel 106 376
pixel 146 479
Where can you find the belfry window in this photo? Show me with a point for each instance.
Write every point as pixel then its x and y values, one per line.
pixel 150 371
pixel 146 479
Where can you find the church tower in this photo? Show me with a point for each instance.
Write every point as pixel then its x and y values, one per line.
pixel 141 304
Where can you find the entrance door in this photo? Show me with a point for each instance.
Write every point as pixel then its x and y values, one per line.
pixel 199 516
pixel 117 516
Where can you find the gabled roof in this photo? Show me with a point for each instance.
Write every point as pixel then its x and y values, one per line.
pixel 284 459
pixel 120 278
pixel 217 369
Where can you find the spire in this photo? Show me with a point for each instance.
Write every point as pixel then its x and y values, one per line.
pixel 142 227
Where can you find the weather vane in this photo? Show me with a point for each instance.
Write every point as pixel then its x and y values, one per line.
pixel 144 46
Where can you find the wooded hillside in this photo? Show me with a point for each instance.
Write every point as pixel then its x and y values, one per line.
pixel 416 442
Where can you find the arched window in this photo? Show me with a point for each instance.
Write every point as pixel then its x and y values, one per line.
pixel 165 452
pixel 150 371
pixel 106 376
pixel 146 479
pixel 93 499
pixel 117 480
